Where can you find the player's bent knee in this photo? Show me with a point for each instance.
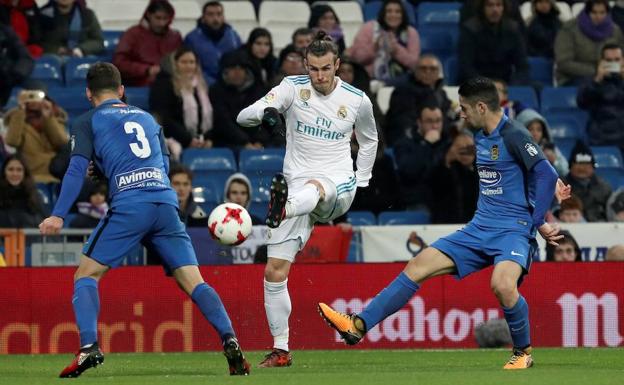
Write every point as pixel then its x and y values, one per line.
pixel 427 264
pixel 89 268
pixel 505 289
pixel 276 270
pixel 188 277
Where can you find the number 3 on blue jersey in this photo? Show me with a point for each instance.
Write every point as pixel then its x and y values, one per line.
pixel 143 150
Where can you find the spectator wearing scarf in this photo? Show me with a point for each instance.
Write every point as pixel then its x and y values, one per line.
pixel 323 16
pixel 578 44
pixel 69 28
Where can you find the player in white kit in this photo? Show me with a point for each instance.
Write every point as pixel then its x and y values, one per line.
pixel 318 183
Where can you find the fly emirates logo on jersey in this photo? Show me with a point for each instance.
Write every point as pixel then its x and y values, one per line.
pixel 142 177
pixel 320 129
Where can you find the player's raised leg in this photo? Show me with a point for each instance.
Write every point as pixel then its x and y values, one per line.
pixel 86 304
pixel 427 264
pixel 287 203
pixel 207 300
pixel 504 284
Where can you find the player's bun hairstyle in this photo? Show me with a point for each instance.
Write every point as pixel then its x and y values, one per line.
pixel 480 89
pixel 321 45
pixel 103 76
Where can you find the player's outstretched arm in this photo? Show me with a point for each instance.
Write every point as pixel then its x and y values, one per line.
pixel 70 188
pixel 562 191
pixel 366 136
pixel 279 98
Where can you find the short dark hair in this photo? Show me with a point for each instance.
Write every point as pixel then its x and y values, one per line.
pixel 179 168
pixel 103 76
pixel 301 31
pixel 321 45
pixel 160 5
pixel 480 8
pixel 609 46
pixel 211 4
pixel 480 89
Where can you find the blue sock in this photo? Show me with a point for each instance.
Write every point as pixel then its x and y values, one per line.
pixel 389 300
pixel 208 301
pixel 86 304
pixel 518 320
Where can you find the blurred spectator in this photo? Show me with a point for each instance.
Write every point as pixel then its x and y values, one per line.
pixel 388 47
pixel 182 182
pixel 290 63
pixel 578 43
pixel 383 191
pixel 454 182
pixel 603 98
pixel 491 44
pixel 418 154
pixel 323 17
pixel 617 13
pixel 589 187
pixel 571 211
pixel 16 64
pixel 615 206
pixel 90 213
pixel 69 28
pixel 540 131
pixel 302 37
pixel 36 128
pixel 142 47
pixel 238 190
pixel 236 89
pixel 567 251
pixel 543 27
pixel 512 9
pixel 356 75
pixel 20 203
pixel 511 107
pixel 179 100
pixel 259 47
pixel 212 38
pixel 23 17
pixel 615 254
pixel 426 83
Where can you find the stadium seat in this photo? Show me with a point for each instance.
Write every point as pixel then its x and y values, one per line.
pixel 111 40
pixel 210 165
pixel 48 70
pixel 570 124
pixel 361 218
pixel 525 95
pixel 576 8
pixel 265 162
pixel 615 176
pixel 186 14
pixel 258 209
pixel 565 13
pixel 76 71
pixel 438 13
pixel 260 188
pixel 241 16
pixel 138 97
pixel 452 93
pixel 451 71
pixel 371 9
pixel 607 156
pixel 119 15
pixel 383 98
pixel 541 70
pixel 565 145
pixel 283 20
pixel 439 40
pixel 391 218
pixel 72 99
pixel 558 99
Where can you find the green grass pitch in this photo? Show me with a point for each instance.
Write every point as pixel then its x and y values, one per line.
pixel 341 367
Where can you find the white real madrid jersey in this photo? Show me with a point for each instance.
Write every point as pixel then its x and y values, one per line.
pixel 319 128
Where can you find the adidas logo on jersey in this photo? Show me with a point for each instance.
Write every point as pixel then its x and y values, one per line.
pixel 137 177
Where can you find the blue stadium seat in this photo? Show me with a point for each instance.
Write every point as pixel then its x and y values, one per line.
pixel 266 162
pixel 439 40
pixel 607 156
pixel 138 97
pixel 559 99
pixel 258 209
pixel 76 70
pixel 361 218
pixel 207 192
pixel 615 176
pixel 391 218
pixel 260 188
pixel 72 99
pixel 438 13
pixel 371 10
pixel 565 145
pixel 541 70
pixel 569 124
pixel 111 40
pixel 12 102
pixel 48 70
pixel 525 95
pixel 210 165
pixel 451 71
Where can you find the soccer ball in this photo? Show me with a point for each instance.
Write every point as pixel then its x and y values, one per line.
pixel 229 224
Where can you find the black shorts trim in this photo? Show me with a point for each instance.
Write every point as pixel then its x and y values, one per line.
pixel 98 233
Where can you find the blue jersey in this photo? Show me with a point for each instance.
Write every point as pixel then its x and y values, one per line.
pixel 504 159
pixel 127 144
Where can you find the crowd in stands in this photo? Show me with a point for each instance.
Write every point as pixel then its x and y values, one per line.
pixel 196 83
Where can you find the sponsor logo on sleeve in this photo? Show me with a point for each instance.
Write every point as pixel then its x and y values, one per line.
pixel 531 149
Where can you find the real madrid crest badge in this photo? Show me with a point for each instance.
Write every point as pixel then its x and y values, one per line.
pixel 342 112
pixel 304 94
pixel 494 152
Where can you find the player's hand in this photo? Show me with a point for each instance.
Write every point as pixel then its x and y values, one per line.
pixel 562 191
pixel 94 173
pixel 271 121
pixel 51 225
pixel 550 233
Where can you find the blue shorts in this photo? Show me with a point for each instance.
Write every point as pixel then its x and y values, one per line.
pixel 474 248
pixel 156 225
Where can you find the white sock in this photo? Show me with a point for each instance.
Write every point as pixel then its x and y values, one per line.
pixel 303 201
pixel 277 305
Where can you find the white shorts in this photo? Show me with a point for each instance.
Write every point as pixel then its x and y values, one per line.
pixel 339 194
